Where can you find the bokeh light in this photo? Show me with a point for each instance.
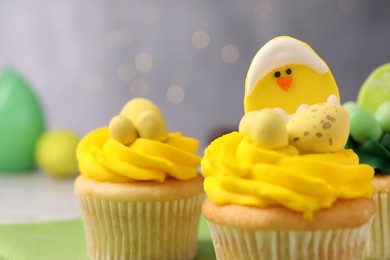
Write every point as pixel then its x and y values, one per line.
pixel 139 88
pixel 143 62
pixel 230 53
pixel 263 9
pixel 200 39
pixel 126 72
pixel 151 15
pixel 115 39
pixel 175 94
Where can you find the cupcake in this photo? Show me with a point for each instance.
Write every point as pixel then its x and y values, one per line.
pixel 283 186
pixel 139 190
pixel 370 139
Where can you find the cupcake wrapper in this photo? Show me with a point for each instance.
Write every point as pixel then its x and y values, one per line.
pixel 377 246
pixel 141 230
pixel 235 243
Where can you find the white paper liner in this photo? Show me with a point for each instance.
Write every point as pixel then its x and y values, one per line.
pixel 378 243
pixel 143 230
pixel 234 243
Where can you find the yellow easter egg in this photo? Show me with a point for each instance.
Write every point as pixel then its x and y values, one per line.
pixel 320 128
pixel 55 153
pixel 137 106
pixel 268 129
pixel 122 129
pixel 246 123
pixel 151 125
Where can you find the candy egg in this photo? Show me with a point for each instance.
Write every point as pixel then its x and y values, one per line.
pixel 348 106
pixel 246 123
pixel 364 126
pixel 320 128
pixel 147 119
pixel 268 129
pixel 21 123
pixel 382 115
pixel 137 106
pixel 122 129
pixel 56 153
pixel 150 125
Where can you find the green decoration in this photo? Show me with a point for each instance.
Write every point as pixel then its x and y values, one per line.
pixel 372 153
pixel 350 105
pixel 364 126
pixel 382 114
pixel 376 89
pixel 385 140
pixel 22 122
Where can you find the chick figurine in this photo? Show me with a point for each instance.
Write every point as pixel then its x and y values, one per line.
pixel 286 74
pixel 288 77
pixel 138 118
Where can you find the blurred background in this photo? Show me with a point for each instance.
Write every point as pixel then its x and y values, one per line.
pixel 86 59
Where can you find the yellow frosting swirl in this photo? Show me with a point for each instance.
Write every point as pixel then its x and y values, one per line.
pixel 105 159
pixel 239 172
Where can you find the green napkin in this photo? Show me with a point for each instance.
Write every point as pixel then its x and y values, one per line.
pixel 65 240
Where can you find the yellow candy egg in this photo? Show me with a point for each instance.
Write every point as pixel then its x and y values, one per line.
pixel 320 128
pixel 55 153
pixel 268 129
pixel 122 129
pixel 246 123
pixel 151 125
pixel 136 107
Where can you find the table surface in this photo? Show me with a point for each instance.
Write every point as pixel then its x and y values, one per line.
pixel 36 197
pixel 51 216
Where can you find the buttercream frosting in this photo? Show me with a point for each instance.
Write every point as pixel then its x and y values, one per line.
pixel 239 172
pixel 136 146
pixel 105 159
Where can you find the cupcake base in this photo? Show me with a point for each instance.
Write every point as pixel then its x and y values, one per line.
pixel 240 232
pixel 142 220
pixel 377 246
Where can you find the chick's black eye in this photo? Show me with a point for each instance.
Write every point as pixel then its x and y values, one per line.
pixel 288 71
pixel 277 74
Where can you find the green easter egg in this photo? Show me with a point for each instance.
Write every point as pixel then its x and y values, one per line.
pixel 349 105
pixel 382 114
pixel 375 89
pixel 22 122
pixel 363 125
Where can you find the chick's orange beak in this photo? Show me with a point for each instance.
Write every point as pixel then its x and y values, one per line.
pixel 284 82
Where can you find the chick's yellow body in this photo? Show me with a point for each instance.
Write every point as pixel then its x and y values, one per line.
pixel 306 87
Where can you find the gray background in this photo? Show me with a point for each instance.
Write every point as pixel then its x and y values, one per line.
pixel 85 59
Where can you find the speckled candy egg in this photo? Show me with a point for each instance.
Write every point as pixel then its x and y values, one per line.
pixel 320 128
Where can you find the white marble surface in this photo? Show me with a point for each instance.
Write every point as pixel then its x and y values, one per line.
pixel 36 197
